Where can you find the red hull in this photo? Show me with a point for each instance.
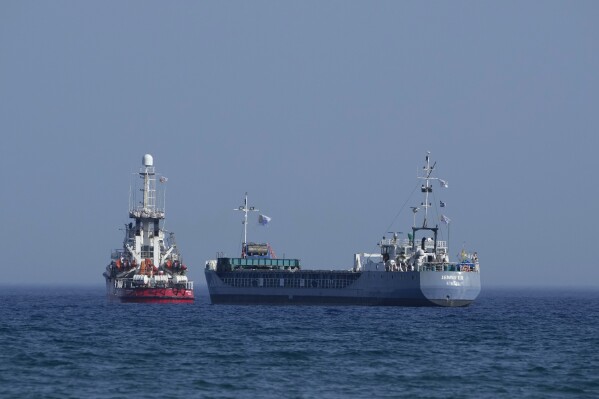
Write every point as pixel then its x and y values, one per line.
pixel 150 295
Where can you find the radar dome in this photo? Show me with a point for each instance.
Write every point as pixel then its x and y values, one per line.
pixel 148 160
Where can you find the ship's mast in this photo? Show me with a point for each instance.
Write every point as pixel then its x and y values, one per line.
pixel 149 190
pixel 426 188
pixel 147 217
pixel 147 206
pixel 245 209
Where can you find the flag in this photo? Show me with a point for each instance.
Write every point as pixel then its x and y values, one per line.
pixel 443 183
pixel 442 204
pixel 445 219
pixel 263 219
pixel 163 179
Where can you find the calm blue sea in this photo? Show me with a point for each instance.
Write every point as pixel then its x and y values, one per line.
pixel 71 343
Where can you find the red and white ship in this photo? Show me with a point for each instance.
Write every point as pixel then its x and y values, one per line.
pixel 149 267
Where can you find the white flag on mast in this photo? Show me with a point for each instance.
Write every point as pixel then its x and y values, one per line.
pixel 263 219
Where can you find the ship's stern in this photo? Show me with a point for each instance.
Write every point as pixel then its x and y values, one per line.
pixel 450 288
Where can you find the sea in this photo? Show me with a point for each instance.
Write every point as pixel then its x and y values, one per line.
pixel 510 343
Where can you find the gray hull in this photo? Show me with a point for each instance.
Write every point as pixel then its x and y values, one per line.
pixel 368 288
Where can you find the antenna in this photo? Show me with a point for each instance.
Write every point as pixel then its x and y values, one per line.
pixel 415 209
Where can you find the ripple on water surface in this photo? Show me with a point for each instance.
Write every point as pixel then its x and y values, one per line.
pixel 71 343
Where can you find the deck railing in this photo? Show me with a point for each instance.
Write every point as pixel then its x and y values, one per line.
pixel 128 283
pixel 448 267
pixel 407 243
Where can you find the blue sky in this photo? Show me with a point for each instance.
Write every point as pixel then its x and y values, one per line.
pixel 322 111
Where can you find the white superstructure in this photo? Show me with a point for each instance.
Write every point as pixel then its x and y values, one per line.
pixel 149 258
pixel 145 239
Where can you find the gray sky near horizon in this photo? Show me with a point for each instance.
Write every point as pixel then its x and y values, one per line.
pixel 322 111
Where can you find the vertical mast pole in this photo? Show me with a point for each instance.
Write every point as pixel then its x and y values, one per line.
pixel 427 172
pixel 426 187
pixel 245 209
pixel 245 220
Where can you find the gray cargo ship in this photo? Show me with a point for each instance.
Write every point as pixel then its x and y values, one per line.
pixel 415 271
